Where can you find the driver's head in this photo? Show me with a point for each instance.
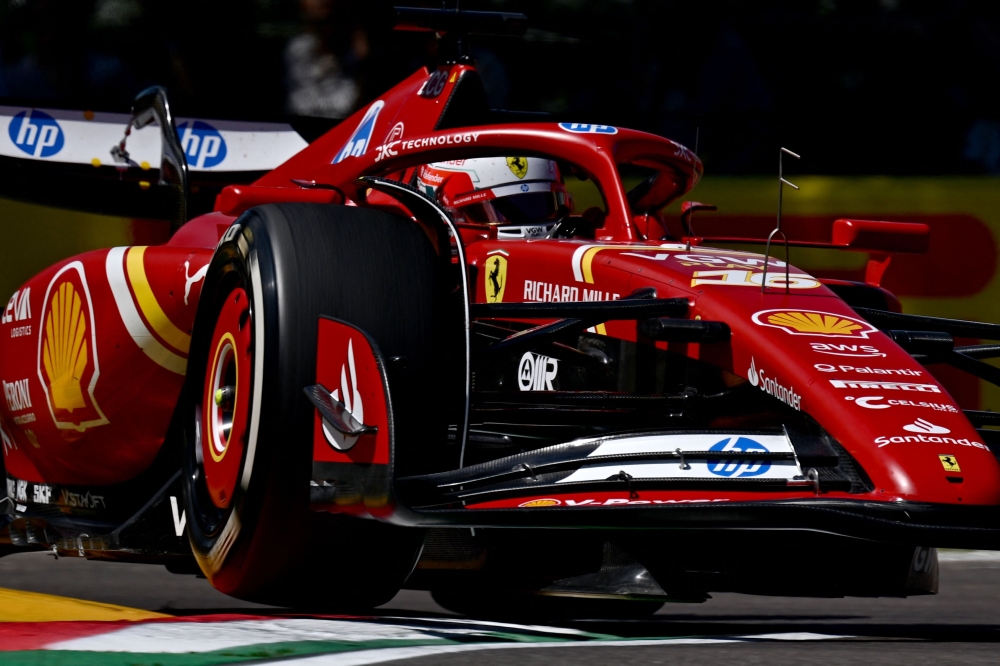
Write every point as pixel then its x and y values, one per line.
pixel 524 196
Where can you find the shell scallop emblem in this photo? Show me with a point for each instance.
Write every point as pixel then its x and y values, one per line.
pixel 539 502
pixel 67 352
pixel 813 323
pixel 64 348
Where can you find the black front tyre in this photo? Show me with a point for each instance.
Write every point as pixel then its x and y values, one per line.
pixel 248 427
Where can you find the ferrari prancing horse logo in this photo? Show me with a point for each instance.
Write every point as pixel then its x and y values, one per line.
pixel 950 463
pixel 496 278
pixel 518 166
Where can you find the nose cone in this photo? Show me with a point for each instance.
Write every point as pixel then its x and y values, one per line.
pixel 949 468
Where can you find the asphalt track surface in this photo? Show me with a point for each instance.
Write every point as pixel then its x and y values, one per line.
pixel 961 625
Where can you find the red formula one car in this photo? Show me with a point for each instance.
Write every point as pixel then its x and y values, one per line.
pixel 402 359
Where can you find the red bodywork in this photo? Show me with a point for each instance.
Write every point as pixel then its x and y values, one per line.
pixel 117 344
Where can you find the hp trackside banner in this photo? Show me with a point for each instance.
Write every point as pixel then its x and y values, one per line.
pixel 85 137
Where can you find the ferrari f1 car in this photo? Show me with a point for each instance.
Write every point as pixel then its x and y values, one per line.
pixel 402 359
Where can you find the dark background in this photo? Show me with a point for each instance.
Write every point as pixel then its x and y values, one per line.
pixel 901 87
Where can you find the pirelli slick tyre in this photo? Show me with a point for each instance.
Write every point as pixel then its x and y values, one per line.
pixel 247 425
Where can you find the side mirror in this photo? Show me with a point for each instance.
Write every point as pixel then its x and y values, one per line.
pixel 689 208
pixel 151 106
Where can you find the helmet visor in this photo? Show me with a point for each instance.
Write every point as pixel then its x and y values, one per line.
pixel 526 208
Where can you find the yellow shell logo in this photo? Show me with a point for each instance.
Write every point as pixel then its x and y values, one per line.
pixel 539 502
pixel 64 351
pixel 496 278
pixel 67 351
pixel 809 322
pixel 518 166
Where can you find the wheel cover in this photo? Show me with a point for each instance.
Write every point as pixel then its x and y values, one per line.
pixel 225 399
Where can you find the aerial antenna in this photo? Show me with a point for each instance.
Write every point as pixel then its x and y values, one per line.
pixel 777 229
pixel 687 221
pixel 454 26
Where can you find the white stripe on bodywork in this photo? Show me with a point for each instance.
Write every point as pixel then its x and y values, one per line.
pixel 776 469
pixel 693 469
pixel 686 443
pixel 134 324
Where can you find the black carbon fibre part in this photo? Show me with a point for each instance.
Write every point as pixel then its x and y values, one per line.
pixel 955 327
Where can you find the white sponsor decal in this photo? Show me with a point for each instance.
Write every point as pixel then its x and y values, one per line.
pixel 447 140
pixel 834 349
pixel 536 372
pixel 189 279
pixel 42 493
pixel 17 395
pixel 926 427
pixel 392 140
pixel 738 278
pixel 826 367
pixel 726 261
pixel 22 491
pixel 180 517
pixel 351 401
pixel 770 386
pixel 18 307
pixel 549 292
pixel 875 402
pixel 928 439
pixel 884 386
pixel 24 419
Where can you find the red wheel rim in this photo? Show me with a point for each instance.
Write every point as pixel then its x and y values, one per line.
pixel 226 398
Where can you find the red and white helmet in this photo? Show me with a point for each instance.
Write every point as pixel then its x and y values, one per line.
pixel 525 196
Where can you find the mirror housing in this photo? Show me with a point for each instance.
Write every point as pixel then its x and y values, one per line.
pixel 151 106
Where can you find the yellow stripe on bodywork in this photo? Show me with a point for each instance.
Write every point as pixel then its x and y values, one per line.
pixel 18 606
pixel 151 310
pixel 588 260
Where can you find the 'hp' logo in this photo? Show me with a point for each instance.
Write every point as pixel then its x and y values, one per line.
pixel 202 143
pixel 734 466
pixel 36 133
pixel 587 128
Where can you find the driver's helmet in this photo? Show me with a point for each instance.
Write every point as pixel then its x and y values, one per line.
pixel 522 196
